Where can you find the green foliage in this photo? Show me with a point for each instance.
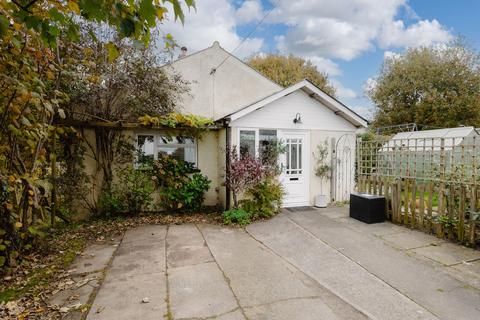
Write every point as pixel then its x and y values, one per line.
pixel 130 194
pixel 288 70
pixel 430 86
pixel 188 196
pixel 447 222
pixel 264 199
pixel 133 19
pixel 237 216
pixel 180 184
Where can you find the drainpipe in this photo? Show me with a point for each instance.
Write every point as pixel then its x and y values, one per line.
pixel 226 125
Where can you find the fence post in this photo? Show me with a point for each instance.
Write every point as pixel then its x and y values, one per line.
pixel 441 191
pixel 461 214
pixel 473 196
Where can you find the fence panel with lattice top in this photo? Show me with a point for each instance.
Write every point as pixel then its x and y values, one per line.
pixel 430 183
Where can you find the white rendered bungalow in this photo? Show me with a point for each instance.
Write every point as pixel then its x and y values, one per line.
pixel 250 109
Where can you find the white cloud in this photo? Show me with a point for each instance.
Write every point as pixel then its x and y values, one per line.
pixel 214 20
pixel 250 10
pixel 424 32
pixel 365 111
pixel 345 29
pixel 343 93
pixel 325 65
pixel 391 55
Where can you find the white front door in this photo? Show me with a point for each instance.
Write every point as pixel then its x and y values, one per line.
pixel 295 173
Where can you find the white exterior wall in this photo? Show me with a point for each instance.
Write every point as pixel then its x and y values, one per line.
pixel 320 122
pixel 215 95
pixel 280 114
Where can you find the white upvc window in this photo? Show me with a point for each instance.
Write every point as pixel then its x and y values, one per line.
pixel 255 141
pixel 151 145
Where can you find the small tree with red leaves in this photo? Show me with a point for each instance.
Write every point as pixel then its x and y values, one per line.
pixel 243 172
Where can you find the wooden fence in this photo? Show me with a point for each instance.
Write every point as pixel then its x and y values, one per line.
pixel 430 184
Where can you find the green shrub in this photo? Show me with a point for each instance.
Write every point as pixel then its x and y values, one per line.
pixel 188 196
pixel 264 199
pixel 181 185
pixel 109 203
pixel 130 194
pixel 236 216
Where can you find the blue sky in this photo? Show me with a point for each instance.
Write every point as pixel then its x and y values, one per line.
pixel 348 39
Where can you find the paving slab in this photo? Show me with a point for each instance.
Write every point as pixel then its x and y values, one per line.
pixel 334 212
pixel 94 258
pixel 468 272
pixel 363 290
pixel 186 246
pixel 448 253
pixel 235 315
pixel 422 280
pixel 120 298
pixel 199 291
pixel 305 309
pixel 145 234
pixel 256 275
pixel 410 239
pixel 79 292
pixel 139 257
pixel 137 272
pixel 377 229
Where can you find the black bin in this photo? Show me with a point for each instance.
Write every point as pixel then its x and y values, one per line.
pixel 367 208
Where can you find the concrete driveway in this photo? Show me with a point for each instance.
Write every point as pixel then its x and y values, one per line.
pixel 316 264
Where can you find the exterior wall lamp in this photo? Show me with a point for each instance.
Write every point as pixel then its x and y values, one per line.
pixel 298 119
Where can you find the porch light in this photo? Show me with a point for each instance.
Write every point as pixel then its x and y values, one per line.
pixel 298 119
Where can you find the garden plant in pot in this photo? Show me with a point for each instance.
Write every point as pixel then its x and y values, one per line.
pixel 323 171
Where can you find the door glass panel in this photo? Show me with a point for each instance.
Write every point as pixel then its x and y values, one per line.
pixel 294 156
pixel 287 155
pixel 299 156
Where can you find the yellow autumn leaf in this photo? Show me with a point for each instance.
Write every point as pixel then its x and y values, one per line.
pixel 18 224
pixel 72 5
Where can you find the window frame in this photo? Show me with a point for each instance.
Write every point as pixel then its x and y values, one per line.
pixel 257 138
pixel 157 143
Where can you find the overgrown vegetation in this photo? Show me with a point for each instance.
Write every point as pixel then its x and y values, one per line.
pixel 256 180
pixel 264 199
pixel 44 54
pixel 181 186
pixel 130 194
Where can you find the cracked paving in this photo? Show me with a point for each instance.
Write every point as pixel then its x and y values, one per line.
pixel 316 264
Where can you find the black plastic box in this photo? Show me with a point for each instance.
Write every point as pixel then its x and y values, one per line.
pixel 367 208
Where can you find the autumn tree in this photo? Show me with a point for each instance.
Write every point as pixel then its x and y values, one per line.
pixel 436 86
pixel 122 89
pixel 288 70
pixel 37 49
